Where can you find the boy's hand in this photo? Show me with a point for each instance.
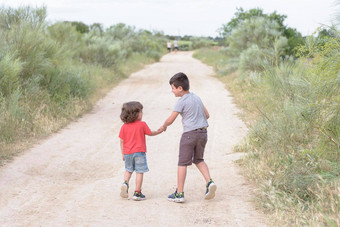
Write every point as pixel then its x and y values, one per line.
pixel 123 157
pixel 162 128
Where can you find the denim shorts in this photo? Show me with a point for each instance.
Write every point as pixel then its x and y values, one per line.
pixel 136 162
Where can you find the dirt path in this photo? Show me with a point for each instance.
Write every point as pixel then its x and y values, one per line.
pixel 73 178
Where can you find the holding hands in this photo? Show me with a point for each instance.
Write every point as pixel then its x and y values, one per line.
pixel 162 128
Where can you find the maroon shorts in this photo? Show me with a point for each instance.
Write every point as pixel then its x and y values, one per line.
pixel 191 147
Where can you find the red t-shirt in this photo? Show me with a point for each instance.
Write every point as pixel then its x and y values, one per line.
pixel 133 136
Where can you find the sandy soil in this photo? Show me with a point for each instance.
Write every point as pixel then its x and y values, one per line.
pixel 73 178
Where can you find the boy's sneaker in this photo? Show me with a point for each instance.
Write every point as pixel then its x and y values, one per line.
pixel 138 196
pixel 176 197
pixel 124 190
pixel 211 188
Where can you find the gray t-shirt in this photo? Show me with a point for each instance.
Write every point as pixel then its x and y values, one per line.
pixel 191 109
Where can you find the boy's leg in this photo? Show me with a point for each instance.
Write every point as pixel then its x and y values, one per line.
pixel 138 195
pixel 127 176
pixel 181 175
pixel 211 186
pixel 178 195
pixel 125 186
pixel 139 181
pixel 203 168
pixel 141 167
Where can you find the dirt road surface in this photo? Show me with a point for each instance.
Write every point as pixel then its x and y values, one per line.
pixel 73 178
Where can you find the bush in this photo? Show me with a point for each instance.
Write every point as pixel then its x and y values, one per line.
pixel 251 59
pixel 101 51
pixel 66 35
pixel 254 31
pixel 11 115
pixel 10 69
pixel 294 144
pixel 67 84
pixel 297 138
pixel 201 42
pixel 50 74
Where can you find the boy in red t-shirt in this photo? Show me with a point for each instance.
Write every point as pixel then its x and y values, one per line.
pixel 133 146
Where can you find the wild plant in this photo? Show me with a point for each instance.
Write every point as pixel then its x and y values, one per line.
pixel 50 74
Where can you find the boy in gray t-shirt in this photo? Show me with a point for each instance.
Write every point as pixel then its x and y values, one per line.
pixel 194 137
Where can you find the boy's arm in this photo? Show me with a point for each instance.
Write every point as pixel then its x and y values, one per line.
pixel 122 147
pixel 169 121
pixel 207 115
pixel 153 133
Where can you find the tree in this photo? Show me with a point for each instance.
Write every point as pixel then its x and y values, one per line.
pixel 239 17
pixel 258 31
pixel 295 40
pixel 80 26
pixel 121 31
pixel 97 28
pixel 294 37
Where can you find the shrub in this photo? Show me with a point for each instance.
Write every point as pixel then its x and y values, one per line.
pixel 294 144
pixel 68 38
pixel 10 69
pixel 254 31
pixel 201 42
pixel 297 138
pixel 101 51
pixel 50 74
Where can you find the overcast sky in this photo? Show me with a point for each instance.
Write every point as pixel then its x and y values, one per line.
pixel 182 17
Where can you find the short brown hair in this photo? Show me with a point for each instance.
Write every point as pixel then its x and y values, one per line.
pixel 180 79
pixel 130 111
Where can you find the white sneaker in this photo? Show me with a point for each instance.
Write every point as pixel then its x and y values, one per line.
pixel 211 189
pixel 124 190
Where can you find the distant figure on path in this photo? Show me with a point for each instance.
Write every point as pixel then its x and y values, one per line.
pixel 133 146
pixel 194 137
pixel 169 46
pixel 176 46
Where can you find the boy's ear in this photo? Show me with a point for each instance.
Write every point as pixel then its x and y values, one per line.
pixel 180 88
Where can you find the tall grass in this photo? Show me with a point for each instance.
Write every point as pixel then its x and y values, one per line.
pixel 293 143
pixel 51 74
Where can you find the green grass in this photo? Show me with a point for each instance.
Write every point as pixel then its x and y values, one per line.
pixel 292 147
pixel 30 115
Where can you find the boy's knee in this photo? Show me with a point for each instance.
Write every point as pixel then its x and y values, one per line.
pixel 197 162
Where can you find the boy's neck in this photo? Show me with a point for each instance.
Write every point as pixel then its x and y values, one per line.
pixel 183 93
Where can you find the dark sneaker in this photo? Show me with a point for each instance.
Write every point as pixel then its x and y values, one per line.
pixel 211 188
pixel 124 189
pixel 138 196
pixel 176 197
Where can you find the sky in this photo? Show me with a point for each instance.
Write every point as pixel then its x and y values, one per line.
pixel 182 17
